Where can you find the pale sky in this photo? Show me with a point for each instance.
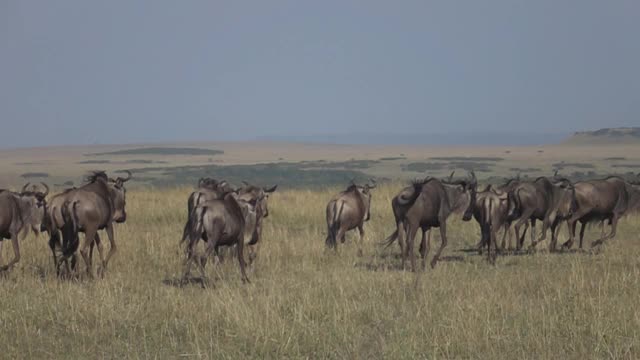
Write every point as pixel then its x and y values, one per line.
pixel 82 72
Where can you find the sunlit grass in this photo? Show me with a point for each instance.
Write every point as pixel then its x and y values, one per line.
pixel 305 302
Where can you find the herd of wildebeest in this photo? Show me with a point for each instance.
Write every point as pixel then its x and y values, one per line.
pixel 226 217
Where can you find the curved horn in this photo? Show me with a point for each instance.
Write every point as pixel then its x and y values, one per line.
pixel 451 176
pixel 129 176
pixel 271 189
pixel 555 173
pixel 201 182
pixel 246 183
pixel 46 189
pixel 24 188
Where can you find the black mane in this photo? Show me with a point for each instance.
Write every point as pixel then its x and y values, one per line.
pixel 97 175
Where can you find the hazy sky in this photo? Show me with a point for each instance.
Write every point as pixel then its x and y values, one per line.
pixel 130 71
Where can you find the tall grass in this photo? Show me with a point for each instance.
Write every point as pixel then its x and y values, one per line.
pixel 306 303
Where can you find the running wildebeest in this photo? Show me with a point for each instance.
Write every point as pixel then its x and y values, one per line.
pixel 92 207
pixel 222 223
pixel 20 212
pixel 541 199
pixel 597 201
pixel 346 211
pixel 432 206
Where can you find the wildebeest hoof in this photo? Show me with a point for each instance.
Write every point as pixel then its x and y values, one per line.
pixel 596 243
pixel 433 263
pixel 359 252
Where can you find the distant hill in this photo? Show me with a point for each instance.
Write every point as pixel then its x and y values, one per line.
pixel 626 135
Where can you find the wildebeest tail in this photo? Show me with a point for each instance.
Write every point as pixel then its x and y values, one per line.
pixel 390 239
pixel 192 203
pixel 196 224
pixel 417 190
pixel 70 240
pixel 334 224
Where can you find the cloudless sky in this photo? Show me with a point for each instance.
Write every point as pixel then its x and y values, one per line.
pixel 82 72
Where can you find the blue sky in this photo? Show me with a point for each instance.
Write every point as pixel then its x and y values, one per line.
pixel 82 72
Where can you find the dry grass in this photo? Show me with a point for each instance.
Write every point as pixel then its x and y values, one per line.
pixel 305 303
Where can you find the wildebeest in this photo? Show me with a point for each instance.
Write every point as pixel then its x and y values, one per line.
pixel 208 189
pixel 505 188
pixel 432 206
pixel 94 206
pixel 20 212
pixel 597 201
pixel 346 211
pixel 253 222
pixel 542 199
pixel 222 222
pixel 490 211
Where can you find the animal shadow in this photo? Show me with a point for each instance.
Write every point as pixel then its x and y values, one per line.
pixel 180 282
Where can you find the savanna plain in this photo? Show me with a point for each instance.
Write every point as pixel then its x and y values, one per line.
pixel 306 302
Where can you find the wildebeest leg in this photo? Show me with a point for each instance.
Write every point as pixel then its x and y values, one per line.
pixel 241 262
pixel 100 247
pixel 504 238
pixel 425 245
pixel 112 248
pixel 583 226
pixel 361 231
pixel 555 227
pixel 493 236
pixel 571 228
pixel 339 236
pixel 1 242
pixel 443 243
pixel 614 224
pixel 187 263
pixel 411 234
pixel 90 234
pixel 523 220
pixel 400 228
pixel 16 252
pixel 533 233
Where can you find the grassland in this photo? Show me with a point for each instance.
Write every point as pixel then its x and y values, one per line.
pixel 297 165
pixel 306 303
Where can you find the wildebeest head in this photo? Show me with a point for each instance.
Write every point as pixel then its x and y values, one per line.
pixel 37 203
pixel 118 194
pixel 259 194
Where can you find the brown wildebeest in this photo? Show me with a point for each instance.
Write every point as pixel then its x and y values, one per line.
pixel 93 206
pixel 507 187
pixel 596 201
pixel 346 211
pixel 253 221
pixel 541 199
pixel 20 212
pixel 208 189
pixel 436 201
pixel 490 211
pixel 220 222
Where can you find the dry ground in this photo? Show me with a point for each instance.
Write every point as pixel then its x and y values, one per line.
pixel 305 303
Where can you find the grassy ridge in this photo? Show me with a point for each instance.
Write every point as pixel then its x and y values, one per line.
pixel 303 302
